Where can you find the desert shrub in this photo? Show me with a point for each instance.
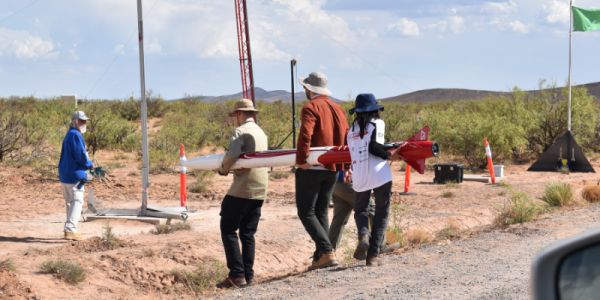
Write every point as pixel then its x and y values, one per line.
pixel 170 228
pixel 278 174
pixel 12 133
pixel 130 109
pixel 107 130
pixel 395 234
pixel 276 120
pixel 109 238
pixel 520 209
pixel 451 185
pixel 448 194
pixel 549 118
pixel 195 127
pixel 450 231
pixel 418 236
pixel 161 161
pixel 70 272
pixel 591 193
pixel 519 125
pixel 7 265
pixel 24 129
pixel 558 194
pixel 204 277
pixel 203 181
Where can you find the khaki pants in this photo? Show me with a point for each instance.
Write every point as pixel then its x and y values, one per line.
pixel 74 204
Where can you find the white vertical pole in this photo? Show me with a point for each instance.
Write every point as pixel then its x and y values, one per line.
pixel 570 69
pixel 144 113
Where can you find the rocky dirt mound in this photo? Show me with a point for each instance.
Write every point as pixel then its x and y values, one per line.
pixel 91 245
pixel 12 288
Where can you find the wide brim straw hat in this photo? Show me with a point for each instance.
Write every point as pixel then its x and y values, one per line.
pixel 243 105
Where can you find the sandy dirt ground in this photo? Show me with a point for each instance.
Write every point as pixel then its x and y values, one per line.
pixel 32 213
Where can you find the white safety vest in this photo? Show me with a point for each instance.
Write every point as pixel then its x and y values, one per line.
pixel 368 170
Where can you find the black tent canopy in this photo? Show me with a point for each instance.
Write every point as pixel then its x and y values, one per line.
pixel 564 153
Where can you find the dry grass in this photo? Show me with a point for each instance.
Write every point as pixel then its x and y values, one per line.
pixel 120 156
pixel 203 181
pixel 451 185
pixel 166 229
pixel 348 247
pixel 519 209
pixel 205 276
pixel 591 193
pixel 558 194
pixel 70 272
pixel 275 174
pixel 395 234
pixel 418 236
pixel 7 265
pixel 451 231
pixel 448 194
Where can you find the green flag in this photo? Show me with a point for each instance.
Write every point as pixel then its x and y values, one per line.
pixel 585 19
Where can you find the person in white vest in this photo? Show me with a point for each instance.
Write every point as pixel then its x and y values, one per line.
pixel 370 173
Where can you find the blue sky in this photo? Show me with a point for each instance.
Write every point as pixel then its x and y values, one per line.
pixel 387 47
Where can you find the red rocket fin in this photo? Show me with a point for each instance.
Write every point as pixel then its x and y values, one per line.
pixel 418 165
pixel 421 135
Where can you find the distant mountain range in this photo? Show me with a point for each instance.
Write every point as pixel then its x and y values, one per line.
pixel 423 96
pixel 259 94
pixel 440 95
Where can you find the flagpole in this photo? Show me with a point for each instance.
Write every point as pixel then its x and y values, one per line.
pixel 570 68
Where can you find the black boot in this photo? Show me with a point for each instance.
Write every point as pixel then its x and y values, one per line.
pixel 363 245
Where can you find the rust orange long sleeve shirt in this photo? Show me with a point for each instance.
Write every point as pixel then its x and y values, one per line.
pixel 324 123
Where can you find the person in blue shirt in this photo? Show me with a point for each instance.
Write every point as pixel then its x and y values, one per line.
pixel 72 167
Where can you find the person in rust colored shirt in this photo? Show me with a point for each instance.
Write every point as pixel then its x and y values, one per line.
pixel 324 123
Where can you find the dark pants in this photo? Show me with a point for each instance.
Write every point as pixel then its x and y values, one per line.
pixel 382 209
pixel 313 191
pixel 242 214
pixel 343 198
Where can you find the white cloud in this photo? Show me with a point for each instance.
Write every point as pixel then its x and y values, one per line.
pixel 309 15
pixel 519 27
pixel 499 7
pixel 405 27
pixel 557 12
pixel 453 24
pixel 23 45
pixel 262 49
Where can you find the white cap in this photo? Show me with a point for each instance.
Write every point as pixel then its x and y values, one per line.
pixel 79 115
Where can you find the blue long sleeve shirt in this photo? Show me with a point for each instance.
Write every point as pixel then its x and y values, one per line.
pixel 74 160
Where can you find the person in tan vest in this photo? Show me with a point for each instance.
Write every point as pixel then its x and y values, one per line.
pixel 241 207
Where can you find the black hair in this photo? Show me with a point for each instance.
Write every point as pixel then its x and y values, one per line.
pixel 363 118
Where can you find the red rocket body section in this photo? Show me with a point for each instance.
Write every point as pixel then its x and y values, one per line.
pixel 413 152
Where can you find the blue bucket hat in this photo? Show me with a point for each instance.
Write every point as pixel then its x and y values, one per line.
pixel 365 103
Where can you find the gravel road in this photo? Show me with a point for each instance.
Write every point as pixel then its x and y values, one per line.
pixel 492 264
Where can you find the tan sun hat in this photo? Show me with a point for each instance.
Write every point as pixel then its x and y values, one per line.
pixel 316 82
pixel 243 105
